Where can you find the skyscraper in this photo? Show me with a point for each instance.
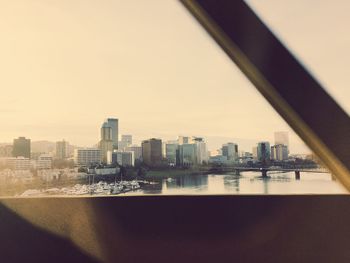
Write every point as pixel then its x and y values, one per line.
pixel 187 154
pixel 106 143
pixel 21 147
pixel 123 158
pixel 62 149
pixel 279 152
pixel 152 152
pixel 137 151
pixel 170 152
pixel 201 148
pixel 263 152
pixel 113 124
pixel 255 152
pixel 191 151
pixel 230 150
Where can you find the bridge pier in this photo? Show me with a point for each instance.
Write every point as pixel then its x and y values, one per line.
pixel 297 175
pixel 264 173
pixel 237 172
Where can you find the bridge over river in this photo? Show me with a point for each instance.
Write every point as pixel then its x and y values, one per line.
pixel 264 170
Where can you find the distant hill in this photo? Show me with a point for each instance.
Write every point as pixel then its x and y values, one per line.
pixel 43 146
pixel 47 146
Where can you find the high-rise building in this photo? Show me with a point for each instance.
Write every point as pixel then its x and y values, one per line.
pixel 230 150
pixel 113 124
pixel 137 151
pixel 224 150
pixel 255 152
pixel 188 154
pixel 263 152
pixel 279 152
pixel 152 152
pixel 193 153
pixel 170 152
pixel 87 156
pixel 282 137
pixel 62 149
pixel 201 150
pixel 106 143
pixel 21 147
pixel 217 159
pixel 123 158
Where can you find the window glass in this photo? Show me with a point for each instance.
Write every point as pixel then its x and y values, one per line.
pixel 134 97
pixel 317 32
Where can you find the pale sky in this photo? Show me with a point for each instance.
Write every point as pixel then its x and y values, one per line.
pixel 66 65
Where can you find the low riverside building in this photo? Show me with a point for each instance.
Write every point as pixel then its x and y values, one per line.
pixel 218 159
pixel 57 174
pixel 44 162
pixel 87 156
pixel 17 163
pixel 104 170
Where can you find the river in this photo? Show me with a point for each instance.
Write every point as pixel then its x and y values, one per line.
pixel 246 183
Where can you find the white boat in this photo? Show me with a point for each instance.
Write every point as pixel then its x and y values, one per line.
pixel 118 188
pixel 134 185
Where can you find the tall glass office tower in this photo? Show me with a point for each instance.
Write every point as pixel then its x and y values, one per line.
pixel 113 123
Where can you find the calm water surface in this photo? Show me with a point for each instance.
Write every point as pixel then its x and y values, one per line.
pixel 246 183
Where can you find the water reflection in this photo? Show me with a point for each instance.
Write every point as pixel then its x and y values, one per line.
pixel 231 183
pixel 155 188
pixel 246 183
pixel 187 181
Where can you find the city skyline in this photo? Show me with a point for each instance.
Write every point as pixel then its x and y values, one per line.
pixel 245 144
pixel 61 79
pixel 186 151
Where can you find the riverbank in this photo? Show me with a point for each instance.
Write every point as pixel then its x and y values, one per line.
pixel 173 173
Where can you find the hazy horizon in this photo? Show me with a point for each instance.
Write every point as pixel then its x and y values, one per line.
pixel 68 65
pixel 213 143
